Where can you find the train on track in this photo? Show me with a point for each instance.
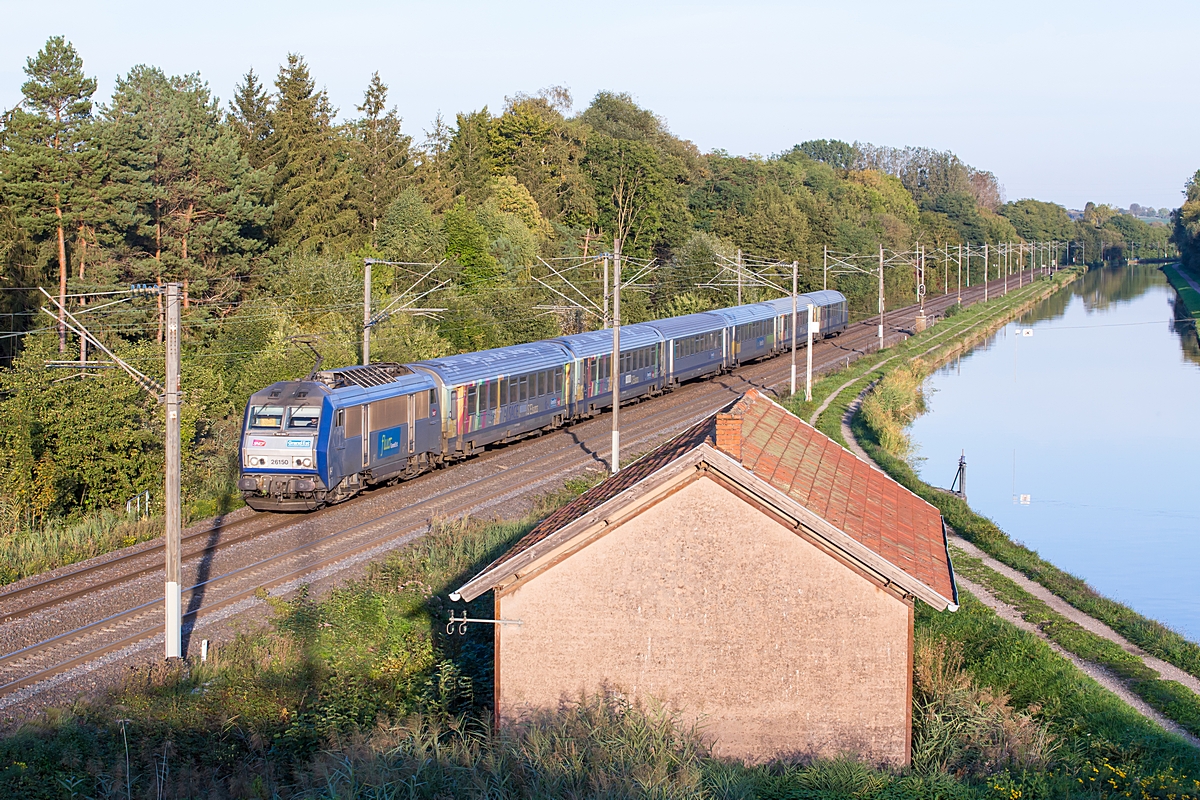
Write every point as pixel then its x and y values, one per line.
pixel 324 439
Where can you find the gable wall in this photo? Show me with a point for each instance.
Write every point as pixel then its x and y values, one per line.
pixel 707 604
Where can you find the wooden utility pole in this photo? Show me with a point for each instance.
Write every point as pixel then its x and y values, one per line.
pixel 366 346
pixel 615 372
pixel 174 524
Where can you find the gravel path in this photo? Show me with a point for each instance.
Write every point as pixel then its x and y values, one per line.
pixel 1102 676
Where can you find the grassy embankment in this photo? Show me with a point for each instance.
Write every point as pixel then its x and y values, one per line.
pixel 880 429
pixel 363 695
pixel 1188 296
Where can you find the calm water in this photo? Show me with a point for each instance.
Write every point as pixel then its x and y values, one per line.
pixel 1094 418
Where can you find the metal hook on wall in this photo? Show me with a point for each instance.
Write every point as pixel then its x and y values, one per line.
pixel 464 619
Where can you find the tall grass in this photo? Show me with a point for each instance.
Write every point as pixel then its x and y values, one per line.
pixel 29 550
pixel 894 403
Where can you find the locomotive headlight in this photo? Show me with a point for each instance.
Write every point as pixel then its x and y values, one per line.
pixel 303 462
pixel 252 461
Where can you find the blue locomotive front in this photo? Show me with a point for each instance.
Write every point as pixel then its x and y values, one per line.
pixel 321 440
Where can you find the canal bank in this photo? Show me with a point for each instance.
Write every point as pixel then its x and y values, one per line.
pixel 1125 659
pixel 1187 290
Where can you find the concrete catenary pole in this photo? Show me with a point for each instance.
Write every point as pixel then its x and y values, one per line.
pixel 615 372
pixel 606 291
pixel 795 275
pixel 366 346
pixel 825 272
pixel 808 369
pixel 174 523
pixel 880 297
pixel 985 271
pixel 739 270
pixel 960 274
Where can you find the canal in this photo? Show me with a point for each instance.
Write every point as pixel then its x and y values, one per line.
pixel 1082 438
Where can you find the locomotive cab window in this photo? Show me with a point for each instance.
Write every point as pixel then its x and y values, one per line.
pixel 304 417
pixel 266 417
pixel 341 418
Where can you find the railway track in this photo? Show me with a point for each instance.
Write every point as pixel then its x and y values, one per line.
pixel 381 520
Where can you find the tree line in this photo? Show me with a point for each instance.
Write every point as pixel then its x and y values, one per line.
pixel 1186 231
pixel 264 207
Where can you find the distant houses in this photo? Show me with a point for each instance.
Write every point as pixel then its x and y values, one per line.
pixel 750 574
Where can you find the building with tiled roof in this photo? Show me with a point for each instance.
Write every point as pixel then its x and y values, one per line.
pixel 750 574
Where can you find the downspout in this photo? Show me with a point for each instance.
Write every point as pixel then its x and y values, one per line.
pixel 953 581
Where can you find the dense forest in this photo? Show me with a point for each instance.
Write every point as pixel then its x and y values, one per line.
pixel 264 208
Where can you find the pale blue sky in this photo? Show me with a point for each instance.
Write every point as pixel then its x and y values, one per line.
pixel 989 81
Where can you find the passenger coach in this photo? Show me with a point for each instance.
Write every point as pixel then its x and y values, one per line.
pixel 323 439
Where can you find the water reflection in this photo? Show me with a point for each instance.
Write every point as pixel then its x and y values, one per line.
pixel 1091 416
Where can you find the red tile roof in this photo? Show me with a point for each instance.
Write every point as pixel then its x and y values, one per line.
pixel 805 464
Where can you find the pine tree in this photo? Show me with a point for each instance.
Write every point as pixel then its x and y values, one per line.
pixel 382 157
pixel 44 145
pixel 190 204
pixel 250 118
pixel 314 211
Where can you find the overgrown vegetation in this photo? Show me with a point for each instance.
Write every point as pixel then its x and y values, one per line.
pixel 363 695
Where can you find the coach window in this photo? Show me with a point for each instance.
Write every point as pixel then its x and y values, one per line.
pixel 543 381
pixel 523 388
pixel 471 396
pixel 558 380
pixel 503 392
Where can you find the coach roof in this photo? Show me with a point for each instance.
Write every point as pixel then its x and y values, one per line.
pixel 487 364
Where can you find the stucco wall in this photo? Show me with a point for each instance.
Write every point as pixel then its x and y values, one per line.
pixel 706 604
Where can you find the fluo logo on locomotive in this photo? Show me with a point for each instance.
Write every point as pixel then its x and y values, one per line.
pixel 388 441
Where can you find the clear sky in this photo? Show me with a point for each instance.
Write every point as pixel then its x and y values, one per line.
pixel 1064 101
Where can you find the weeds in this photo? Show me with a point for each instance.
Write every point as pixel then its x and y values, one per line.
pixel 31 550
